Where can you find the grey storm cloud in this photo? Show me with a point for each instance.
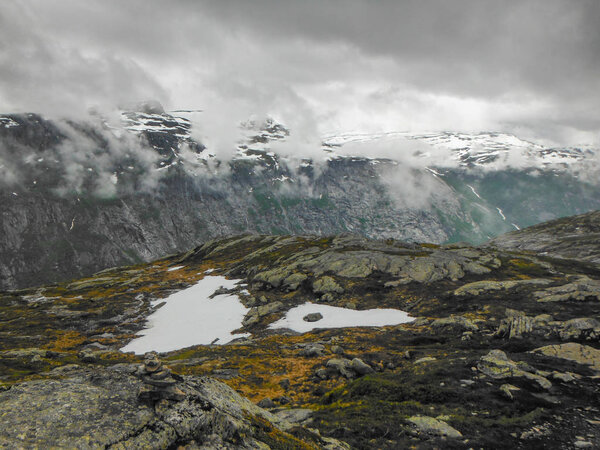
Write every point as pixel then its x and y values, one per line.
pixel 530 65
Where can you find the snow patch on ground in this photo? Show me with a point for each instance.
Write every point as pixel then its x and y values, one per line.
pixel 336 317
pixel 189 317
pixel 171 269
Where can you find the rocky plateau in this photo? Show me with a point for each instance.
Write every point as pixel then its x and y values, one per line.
pixel 502 350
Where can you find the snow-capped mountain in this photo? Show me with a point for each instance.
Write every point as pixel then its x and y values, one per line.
pixel 485 149
pixel 81 196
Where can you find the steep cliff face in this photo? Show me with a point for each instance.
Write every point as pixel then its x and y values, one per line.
pixel 79 197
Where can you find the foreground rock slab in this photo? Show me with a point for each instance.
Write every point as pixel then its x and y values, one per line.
pixel 100 408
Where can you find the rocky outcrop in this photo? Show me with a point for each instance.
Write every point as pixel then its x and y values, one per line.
pixel 101 408
pixel 458 323
pixel 518 325
pixel 582 288
pixel 497 365
pixel 486 286
pixel 346 258
pixel 581 354
pixel 433 426
pixel 575 237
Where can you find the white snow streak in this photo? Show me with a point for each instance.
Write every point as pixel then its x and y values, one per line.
pixel 474 191
pixel 501 214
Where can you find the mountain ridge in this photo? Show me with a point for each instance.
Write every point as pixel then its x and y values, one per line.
pixel 500 351
pixel 80 197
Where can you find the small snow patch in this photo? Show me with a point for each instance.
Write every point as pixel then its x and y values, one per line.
pixel 336 317
pixel 175 268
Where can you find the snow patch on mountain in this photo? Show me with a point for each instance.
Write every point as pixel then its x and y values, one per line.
pixel 448 149
pixel 8 122
pixel 156 123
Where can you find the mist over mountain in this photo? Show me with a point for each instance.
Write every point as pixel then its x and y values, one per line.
pixel 303 224
pixel 81 196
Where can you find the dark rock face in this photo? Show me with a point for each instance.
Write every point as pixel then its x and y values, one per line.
pixel 62 218
pixel 100 408
pixel 576 237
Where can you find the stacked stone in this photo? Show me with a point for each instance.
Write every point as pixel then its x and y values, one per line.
pixel 159 382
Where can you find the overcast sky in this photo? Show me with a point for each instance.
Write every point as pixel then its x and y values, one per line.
pixel 528 67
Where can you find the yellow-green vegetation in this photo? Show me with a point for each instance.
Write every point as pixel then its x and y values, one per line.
pixel 280 440
pixel 425 368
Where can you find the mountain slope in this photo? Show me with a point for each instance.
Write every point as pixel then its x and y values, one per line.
pixel 78 197
pixel 575 237
pixel 500 350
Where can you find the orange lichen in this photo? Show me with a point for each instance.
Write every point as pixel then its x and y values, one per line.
pixel 62 340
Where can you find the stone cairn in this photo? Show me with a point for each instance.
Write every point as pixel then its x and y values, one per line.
pixel 159 382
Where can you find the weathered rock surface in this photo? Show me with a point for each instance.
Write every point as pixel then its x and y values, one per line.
pixel 404 262
pixel 575 237
pixel 431 425
pixel 518 325
pixel 582 289
pixel 360 367
pixel 496 364
pixel 312 317
pixel 100 408
pixel 572 351
pixel 459 323
pixel 485 286
pixel 343 366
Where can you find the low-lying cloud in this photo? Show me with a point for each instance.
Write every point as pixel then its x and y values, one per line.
pixel 527 67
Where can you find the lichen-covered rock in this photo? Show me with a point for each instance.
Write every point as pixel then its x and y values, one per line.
pixel 360 367
pixel 327 285
pixel 583 328
pixel 312 350
pixel 516 326
pixel 300 416
pixel 431 425
pixel 459 323
pixel 343 366
pixel 582 289
pixel 269 308
pixel 99 408
pixel 484 286
pixel 496 364
pixel 293 281
pixel 507 390
pixel 572 351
